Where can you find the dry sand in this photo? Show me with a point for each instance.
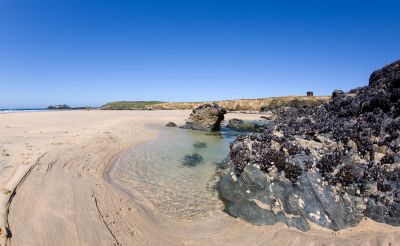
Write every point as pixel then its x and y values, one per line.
pixel 55 191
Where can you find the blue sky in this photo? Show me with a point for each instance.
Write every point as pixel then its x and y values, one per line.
pixel 93 52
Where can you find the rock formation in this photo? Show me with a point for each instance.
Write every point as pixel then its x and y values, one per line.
pixel 207 117
pixel 332 164
pixel 61 106
pixel 171 124
pixel 248 126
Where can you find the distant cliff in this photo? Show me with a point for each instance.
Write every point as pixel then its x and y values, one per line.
pixel 231 105
pixel 260 104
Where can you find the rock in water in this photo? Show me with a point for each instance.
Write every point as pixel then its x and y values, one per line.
pixel 332 164
pixel 248 125
pixel 192 160
pixel 171 124
pixel 207 117
pixel 199 145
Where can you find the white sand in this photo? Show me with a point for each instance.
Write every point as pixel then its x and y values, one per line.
pixel 56 162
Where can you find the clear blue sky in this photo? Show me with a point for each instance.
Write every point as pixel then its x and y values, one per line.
pixel 92 52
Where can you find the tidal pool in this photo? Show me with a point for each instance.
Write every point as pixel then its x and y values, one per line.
pixel 177 171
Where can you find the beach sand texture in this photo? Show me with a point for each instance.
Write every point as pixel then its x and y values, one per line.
pixel 55 189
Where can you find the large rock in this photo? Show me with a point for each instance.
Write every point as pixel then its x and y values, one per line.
pixel 264 192
pixel 207 117
pixel 387 76
pixel 332 165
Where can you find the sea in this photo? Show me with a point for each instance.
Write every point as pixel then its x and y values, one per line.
pixel 15 110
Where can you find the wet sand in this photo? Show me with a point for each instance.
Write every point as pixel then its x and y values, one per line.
pixel 55 189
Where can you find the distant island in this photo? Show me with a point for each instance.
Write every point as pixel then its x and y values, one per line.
pixel 66 107
pixel 61 106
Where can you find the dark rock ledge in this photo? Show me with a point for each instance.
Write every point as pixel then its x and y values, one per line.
pixel 249 125
pixel 331 165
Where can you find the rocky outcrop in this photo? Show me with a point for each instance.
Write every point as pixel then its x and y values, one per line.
pixel 171 124
pixel 331 165
pixel 248 125
pixel 207 117
pixel 58 107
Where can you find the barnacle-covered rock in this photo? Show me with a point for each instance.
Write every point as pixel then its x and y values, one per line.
pixel 331 165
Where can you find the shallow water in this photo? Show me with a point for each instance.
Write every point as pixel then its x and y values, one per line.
pixel 176 171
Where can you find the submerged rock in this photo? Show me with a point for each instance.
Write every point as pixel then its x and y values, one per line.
pixel 207 117
pixel 171 124
pixel 192 160
pixel 200 145
pixel 332 165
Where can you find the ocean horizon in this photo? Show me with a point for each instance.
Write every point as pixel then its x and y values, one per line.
pixel 14 110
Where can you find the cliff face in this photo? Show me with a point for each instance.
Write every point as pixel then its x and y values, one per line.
pixel 261 104
pixel 332 164
pixel 253 104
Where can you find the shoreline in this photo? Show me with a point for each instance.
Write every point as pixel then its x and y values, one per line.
pixel 67 199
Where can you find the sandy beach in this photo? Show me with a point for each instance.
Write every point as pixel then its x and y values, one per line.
pixel 55 189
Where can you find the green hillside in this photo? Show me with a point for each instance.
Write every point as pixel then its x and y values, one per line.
pixel 122 105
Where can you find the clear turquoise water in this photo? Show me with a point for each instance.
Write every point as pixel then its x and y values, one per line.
pixel 177 171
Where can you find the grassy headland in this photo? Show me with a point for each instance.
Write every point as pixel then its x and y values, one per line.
pixel 129 105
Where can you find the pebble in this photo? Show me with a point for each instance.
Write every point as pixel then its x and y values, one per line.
pixel 234 177
pixel 248 191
